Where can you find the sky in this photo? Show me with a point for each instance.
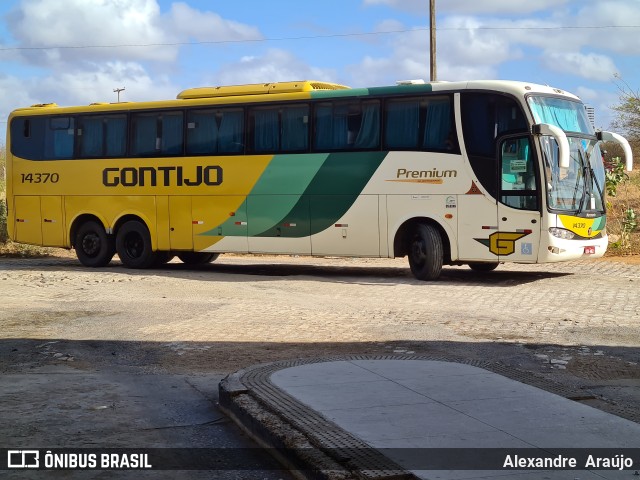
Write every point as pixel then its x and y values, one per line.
pixel 76 52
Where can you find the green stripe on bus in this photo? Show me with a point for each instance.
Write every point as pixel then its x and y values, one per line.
pixel 291 214
pixel 416 89
pixel 343 174
pixel 599 223
pixel 351 92
pixel 366 92
pixel 289 176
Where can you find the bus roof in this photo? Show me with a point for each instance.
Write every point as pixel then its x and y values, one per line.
pixel 289 91
pixel 258 89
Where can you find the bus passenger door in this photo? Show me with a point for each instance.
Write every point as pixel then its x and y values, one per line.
pixel 28 220
pixel 519 217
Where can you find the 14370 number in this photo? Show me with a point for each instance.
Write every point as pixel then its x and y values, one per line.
pixel 40 177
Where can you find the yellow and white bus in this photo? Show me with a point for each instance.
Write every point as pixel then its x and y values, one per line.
pixel 473 173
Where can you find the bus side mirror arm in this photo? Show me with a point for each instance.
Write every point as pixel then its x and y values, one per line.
pixel 560 137
pixel 614 137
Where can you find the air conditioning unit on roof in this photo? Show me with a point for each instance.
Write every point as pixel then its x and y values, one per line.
pixel 417 81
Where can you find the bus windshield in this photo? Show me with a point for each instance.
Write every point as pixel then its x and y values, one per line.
pixel 579 188
pixel 569 115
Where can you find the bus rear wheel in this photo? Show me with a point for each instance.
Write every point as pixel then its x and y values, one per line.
pixel 133 244
pixel 483 266
pixel 425 252
pixel 94 248
pixel 197 258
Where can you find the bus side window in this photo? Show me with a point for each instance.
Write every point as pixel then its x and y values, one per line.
pixel 347 126
pixel 439 128
pixel 59 138
pixel 266 130
pixel 280 128
pixel 294 128
pixel 331 126
pixel 230 124
pixel 517 174
pixel 157 134
pixel 145 139
pixel 27 137
pixel 102 136
pixel 485 118
pixel 215 131
pixel 424 123
pixel 172 132
pixel 402 124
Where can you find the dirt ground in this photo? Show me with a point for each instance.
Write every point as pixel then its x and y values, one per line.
pixel 131 347
pixel 243 310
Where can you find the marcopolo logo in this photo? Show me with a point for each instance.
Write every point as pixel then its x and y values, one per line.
pixel 23 459
pixel 503 243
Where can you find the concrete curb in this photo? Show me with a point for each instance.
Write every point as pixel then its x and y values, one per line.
pixel 309 445
pixel 308 453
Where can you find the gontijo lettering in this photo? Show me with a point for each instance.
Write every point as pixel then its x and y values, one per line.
pixel 210 175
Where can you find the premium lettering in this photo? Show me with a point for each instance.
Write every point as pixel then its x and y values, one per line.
pixel 434 173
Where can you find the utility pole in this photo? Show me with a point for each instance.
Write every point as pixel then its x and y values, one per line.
pixel 118 90
pixel 432 30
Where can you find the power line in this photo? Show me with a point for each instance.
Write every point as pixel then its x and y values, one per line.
pixel 311 37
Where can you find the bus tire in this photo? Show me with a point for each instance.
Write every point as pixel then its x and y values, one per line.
pixel 133 244
pixel 483 266
pixel 425 251
pixel 94 248
pixel 197 258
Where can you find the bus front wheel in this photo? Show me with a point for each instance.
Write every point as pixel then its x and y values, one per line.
pixel 425 252
pixel 94 248
pixel 197 258
pixel 133 244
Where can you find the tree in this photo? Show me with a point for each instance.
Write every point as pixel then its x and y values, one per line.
pixel 627 117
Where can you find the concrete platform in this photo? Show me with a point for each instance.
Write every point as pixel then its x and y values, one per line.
pixel 411 417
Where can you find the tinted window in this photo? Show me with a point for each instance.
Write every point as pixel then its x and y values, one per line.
pixel 486 117
pixel 518 174
pixel 346 126
pixel 215 131
pixel 157 133
pixel 424 123
pixel 102 136
pixel 280 128
pixel 27 137
pixel 59 138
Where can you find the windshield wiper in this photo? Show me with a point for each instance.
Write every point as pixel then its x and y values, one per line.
pixel 583 170
pixel 594 179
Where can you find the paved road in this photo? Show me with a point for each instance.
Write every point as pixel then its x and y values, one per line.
pixel 576 323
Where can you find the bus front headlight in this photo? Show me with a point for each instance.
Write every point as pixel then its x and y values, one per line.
pixel 561 233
